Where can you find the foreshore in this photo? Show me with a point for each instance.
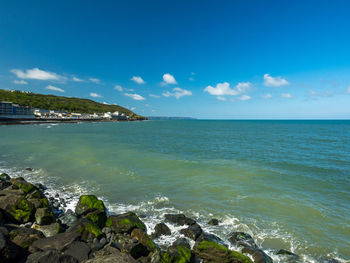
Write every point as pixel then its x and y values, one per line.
pixel 36 226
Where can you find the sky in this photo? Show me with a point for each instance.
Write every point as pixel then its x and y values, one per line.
pixel 250 59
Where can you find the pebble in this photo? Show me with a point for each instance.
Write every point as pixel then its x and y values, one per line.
pixel 57 195
pixel 134 240
pixel 106 230
pixel 103 241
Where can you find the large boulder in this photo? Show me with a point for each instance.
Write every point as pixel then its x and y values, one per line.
pixel 258 255
pixel 24 237
pixel 97 217
pixel 192 232
pixel 242 239
pixel 48 230
pixel 127 244
pixel 17 208
pixel 144 239
pixel 213 252
pixel 5 177
pixel 125 223
pixel 86 229
pixel 20 183
pixel 44 216
pixel 111 254
pixel 89 203
pixel 179 219
pixel 179 251
pixel 9 251
pixel 78 250
pixel 161 229
pixel 52 256
pixel 57 242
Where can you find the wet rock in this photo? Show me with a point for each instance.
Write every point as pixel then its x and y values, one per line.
pixel 287 254
pixel 210 237
pixel 4 184
pixel 24 237
pixel 22 184
pixel 192 232
pixel 44 216
pixel 125 223
pixel 58 242
pixel 89 203
pixel 126 244
pixel 258 255
pixel 57 195
pixel 111 254
pixel 78 250
pixel 5 177
pixel 179 219
pixel 161 229
pixel 210 251
pixel 52 256
pixel 106 230
pixel 87 229
pixel 69 218
pixel 9 251
pixel 242 239
pixel 29 169
pixel 179 251
pixel 144 239
pixel 48 230
pixel 99 218
pixel 213 222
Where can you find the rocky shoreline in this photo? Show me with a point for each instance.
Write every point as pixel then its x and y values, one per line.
pixel 35 227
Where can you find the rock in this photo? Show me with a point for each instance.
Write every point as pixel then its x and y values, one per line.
pixel 210 251
pixel 78 250
pixel 5 177
pixel 192 232
pixel 9 251
pixel 97 217
pixel 242 239
pixel 179 251
pixel 48 230
pixel 69 218
pixel 52 256
pixel 213 222
pixel 287 254
pixel 181 242
pixel 106 230
pixel 125 223
pixel 29 169
pixel 22 184
pixel 179 219
pixel 258 255
pixel 57 242
pixel 44 216
pixel 126 244
pixel 86 229
pixel 161 229
pixel 4 184
pixel 24 237
pixel 89 203
pixel 16 207
pixel 110 254
pixel 144 239
pixel 210 237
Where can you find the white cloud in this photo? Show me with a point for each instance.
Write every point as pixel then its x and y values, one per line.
pixel 267 96
pixel 134 96
pixel 36 73
pixel 244 97
pixel 49 87
pixel 94 80
pixel 118 88
pixel 270 81
pixel 177 93
pixel 221 98
pixel 138 80
pixel 154 96
pixel 348 90
pixel 133 108
pixel 77 79
pixel 286 95
pixel 168 79
pixel 314 94
pixel 20 82
pixel 223 89
pixel 95 95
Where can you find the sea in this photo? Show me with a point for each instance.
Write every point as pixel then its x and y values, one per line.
pixel 284 182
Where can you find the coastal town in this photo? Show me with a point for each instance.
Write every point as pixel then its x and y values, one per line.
pixel 11 111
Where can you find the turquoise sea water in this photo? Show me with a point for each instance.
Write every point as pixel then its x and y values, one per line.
pixel 285 182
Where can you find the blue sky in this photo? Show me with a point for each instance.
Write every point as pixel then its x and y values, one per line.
pixel 203 59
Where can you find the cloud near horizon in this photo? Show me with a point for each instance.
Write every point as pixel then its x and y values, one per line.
pixel 169 79
pixel 177 93
pixel 286 95
pixel 36 73
pixel 134 96
pixel 138 80
pixel 154 96
pixel 118 88
pixel 50 87
pixel 95 80
pixel 95 95
pixel 270 81
pixel 76 79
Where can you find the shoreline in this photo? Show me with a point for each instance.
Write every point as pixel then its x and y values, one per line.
pixel 193 232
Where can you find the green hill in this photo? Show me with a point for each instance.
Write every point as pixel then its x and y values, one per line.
pixel 60 103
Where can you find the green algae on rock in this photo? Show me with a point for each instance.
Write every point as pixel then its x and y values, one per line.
pixel 125 223
pixel 89 203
